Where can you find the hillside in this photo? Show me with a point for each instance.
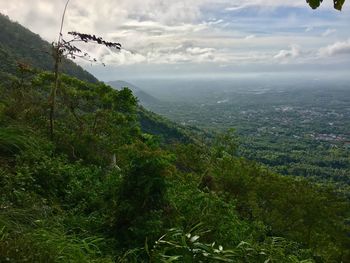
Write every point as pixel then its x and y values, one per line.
pixel 18 44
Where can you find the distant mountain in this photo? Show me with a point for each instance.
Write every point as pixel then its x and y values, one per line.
pixel 145 99
pixel 18 44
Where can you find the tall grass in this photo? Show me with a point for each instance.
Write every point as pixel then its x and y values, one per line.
pixel 14 140
pixel 25 238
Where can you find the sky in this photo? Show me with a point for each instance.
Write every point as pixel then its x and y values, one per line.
pixel 167 38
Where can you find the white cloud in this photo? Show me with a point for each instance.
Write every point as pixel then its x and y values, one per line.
pixel 196 31
pixel 293 52
pixel 123 57
pixel 242 4
pixel 309 29
pixel 338 48
pixel 249 37
pixel 328 32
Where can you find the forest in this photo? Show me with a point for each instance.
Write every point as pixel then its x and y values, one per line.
pixel 107 180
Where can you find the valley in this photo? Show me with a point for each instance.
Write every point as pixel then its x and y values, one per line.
pixel 301 131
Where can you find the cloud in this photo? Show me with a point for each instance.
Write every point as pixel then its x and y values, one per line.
pixel 309 29
pixel 250 37
pixel 215 32
pixel 293 52
pixel 338 48
pixel 123 57
pixel 328 32
pixel 184 53
pixel 237 7
pixel 243 4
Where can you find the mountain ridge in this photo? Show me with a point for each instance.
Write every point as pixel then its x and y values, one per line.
pixel 144 98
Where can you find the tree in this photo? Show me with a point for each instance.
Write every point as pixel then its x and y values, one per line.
pixel 142 199
pixel 338 4
pixel 67 49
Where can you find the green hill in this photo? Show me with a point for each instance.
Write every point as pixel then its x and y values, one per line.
pixel 18 44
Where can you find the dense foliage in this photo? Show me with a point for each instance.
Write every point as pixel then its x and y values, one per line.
pixel 105 191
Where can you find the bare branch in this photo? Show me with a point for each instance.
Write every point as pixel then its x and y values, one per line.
pixel 92 38
pixel 62 21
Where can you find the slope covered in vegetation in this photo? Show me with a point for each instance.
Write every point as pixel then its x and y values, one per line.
pixel 19 45
pixel 67 200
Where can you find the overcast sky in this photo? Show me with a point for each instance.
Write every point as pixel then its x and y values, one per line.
pixel 198 37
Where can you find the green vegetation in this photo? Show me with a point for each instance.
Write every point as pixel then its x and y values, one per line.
pixel 19 45
pixel 66 200
pixel 104 190
pixel 294 131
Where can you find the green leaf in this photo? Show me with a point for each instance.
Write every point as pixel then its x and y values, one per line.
pixel 338 4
